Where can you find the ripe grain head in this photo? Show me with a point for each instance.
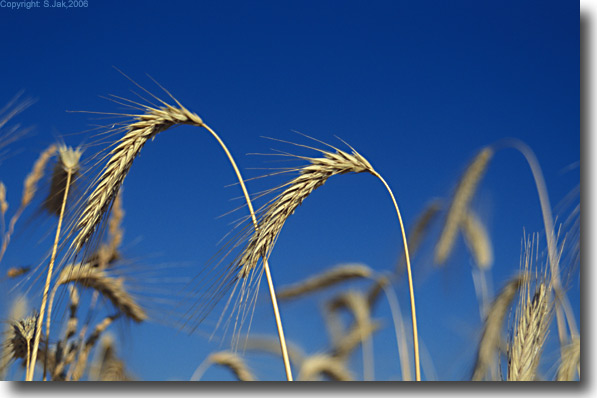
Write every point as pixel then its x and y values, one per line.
pixel 111 288
pixel 492 331
pixel 460 202
pixel 477 239
pixel 335 275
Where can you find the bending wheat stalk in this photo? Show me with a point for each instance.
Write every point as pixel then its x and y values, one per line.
pixel 311 177
pixel 562 307
pixel 146 127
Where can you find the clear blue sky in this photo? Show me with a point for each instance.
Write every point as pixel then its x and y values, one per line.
pixel 417 88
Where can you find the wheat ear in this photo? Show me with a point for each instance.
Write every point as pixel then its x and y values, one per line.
pixel 491 336
pixel 226 359
pixel 462 196
pixel 311 177
pixel 109 367
pixel 146 126
pixel 22 334
pixel 68 161
pixel 17 311
pixel 529 335
pixel 570 364
pixel 29 190
pixel 338 274
pixel 111 288
pixel 70 168
pixel 477 239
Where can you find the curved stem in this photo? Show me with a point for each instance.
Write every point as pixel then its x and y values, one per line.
pixel 410 282
pixel 561 298
pixel 31 369
pixel 265 263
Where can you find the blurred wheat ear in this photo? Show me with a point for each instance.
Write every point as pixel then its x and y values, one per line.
pixel 462 196
pixel 492 330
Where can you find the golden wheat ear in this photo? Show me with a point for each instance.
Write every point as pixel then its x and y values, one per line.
pixel 532 318
pixel 29 190
pixel 68 163
pixel 570 364
pixel 460 202
pixel 111 288
pixel 275 213
pixel 477 239
pixel 333 276
pixel 107 366
pixel 492 331
pixel 229 360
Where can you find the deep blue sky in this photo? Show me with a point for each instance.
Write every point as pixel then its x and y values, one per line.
pixel 417 88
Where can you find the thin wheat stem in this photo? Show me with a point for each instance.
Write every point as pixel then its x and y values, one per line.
pixel 410 281
pixel 31 369
pixel 398 331
pixel 561 298
pixel 270 283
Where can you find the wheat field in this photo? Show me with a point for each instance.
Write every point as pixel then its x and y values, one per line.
pixel 361 204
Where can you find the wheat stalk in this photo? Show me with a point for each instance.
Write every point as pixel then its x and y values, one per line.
pixel 491 337
pixel 562 305
pixel 311 177
pixel 460 202
pixel 146 126
pixel 70 167
pixel 419 229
